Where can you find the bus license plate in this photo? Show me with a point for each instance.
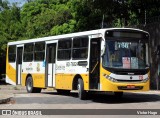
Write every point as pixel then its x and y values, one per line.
pixel 130 86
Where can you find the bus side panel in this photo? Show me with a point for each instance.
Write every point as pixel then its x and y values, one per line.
pixel 10 72
pixel 64 81
pixel 24 76
pixel 103 82
pixel 38 79
pixel 36 70
pixel 66 72
pixel 59 84
pixel 85 78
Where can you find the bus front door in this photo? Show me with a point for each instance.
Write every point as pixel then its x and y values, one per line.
pixel 94 63
pixel 19 65
pixel 50 67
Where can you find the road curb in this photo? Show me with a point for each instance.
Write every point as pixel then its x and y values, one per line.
pixel 5 100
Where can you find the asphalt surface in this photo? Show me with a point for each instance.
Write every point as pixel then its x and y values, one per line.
pixel 19 95
pixel 55 98
pixel 50 99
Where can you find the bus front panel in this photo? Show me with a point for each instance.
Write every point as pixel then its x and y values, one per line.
pixel 125 64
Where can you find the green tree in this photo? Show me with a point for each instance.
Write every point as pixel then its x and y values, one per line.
pixel 10 26
pixel 40 16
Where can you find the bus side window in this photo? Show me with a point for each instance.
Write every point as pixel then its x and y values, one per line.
pixel 64 49
pixel 12 53
pixel 28 52
pixel 80 48
pixel 39 51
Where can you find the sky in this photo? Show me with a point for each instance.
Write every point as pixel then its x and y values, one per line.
pixel 20 2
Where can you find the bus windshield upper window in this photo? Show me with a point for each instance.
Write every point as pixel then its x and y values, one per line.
pixel 121 54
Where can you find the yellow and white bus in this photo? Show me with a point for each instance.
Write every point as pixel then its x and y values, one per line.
pixel 113 59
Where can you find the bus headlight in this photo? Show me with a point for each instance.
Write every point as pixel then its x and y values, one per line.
pixel 145 80
pixel 110 78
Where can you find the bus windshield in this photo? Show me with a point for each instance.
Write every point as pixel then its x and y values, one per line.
pixel 125 54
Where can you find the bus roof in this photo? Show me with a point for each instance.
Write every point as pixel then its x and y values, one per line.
pixel 84 33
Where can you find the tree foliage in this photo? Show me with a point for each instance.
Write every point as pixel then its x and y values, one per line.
pixel 38 18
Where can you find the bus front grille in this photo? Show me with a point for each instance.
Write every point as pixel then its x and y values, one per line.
pixel 128 80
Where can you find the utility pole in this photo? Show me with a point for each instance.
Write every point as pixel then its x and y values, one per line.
pixel 102 21
pixel 145 18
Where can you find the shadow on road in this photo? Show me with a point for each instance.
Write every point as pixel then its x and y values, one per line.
pixel 2 82
pixel 127 98
pixel 111 99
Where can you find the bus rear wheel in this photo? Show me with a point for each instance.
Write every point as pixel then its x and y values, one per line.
pixel 29 86
pixel 81 92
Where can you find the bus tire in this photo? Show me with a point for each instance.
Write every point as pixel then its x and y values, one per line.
pixel 81 92
pixel 29 86
pixel 118 94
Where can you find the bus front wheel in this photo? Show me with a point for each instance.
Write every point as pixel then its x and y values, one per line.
pixel 29 86
pixel 81 92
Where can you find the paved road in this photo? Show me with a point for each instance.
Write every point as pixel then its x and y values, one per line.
pixel 20 96
pixel 54 98
pixel 51 100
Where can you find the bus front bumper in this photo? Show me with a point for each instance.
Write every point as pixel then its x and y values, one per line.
pixel 107 85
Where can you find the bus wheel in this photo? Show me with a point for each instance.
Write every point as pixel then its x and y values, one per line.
pixel 118 94
pixel 81 92
pixel 29 86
